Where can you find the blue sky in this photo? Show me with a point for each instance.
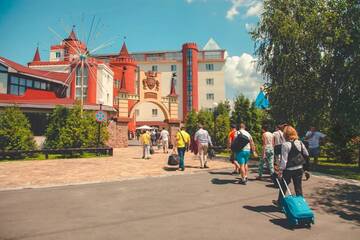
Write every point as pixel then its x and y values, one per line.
pixel 147 25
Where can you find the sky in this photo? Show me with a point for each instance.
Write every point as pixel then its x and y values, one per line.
pixel 147 25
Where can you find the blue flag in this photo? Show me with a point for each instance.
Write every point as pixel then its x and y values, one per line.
pixel 261 101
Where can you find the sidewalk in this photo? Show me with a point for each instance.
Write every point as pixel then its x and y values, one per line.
pixel 125 164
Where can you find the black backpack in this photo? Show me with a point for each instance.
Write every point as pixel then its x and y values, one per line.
pixel 239 142
pixel 295 157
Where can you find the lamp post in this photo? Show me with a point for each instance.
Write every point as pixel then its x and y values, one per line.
pixel 215 104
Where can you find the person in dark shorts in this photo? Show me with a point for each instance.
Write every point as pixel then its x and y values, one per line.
pixel 232 154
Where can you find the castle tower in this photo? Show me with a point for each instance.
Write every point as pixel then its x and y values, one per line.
pixel 190 77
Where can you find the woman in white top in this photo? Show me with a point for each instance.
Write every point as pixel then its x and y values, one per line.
pixel 290 167
pixel 267 152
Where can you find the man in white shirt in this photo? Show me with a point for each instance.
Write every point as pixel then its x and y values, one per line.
pixel 203 140
pixel 164 135
pixel 313 137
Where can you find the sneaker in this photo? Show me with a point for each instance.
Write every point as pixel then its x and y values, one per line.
pixel 234 173
pixel 206 166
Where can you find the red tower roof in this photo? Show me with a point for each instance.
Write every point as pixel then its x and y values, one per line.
pixel 72 35
pixel 37 56
pixel 124 52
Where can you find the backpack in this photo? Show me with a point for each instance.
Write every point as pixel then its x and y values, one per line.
pixel 239 142
pixel 295 157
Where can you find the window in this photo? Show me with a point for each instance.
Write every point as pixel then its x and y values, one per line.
pixel 84 83
pixel 29 83
pixel 36 84
pixel 17 85
pixel 173 68
pixel 209 81
pixel 137 112
pixel 209 67
pixel 154 112
pixel 3 82
pixel 154 68
pixel 58 54
pixel 117 84
pixel 209 96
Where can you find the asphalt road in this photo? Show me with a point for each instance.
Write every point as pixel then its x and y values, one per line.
pixel 195 206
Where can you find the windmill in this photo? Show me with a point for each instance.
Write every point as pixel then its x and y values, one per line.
pixel 80 62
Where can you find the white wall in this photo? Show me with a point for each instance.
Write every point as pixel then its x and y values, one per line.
pixel 53 57
pixel 53 68
pixel 145 112
pixel 104 87
pixel 218 89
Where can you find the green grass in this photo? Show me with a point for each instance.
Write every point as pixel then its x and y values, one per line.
pixel 41 156
pixel 351 171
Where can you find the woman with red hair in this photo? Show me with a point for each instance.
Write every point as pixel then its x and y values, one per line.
pixel 293 153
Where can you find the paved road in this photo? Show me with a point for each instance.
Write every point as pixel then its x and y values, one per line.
pixel 195 206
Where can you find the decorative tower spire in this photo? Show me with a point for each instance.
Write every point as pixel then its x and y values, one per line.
pixel 172 89
pixel 123 83
pixel 37 55
pixel 124 52
pixel 72 35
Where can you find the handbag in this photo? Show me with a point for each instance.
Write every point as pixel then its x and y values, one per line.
pixel 186 144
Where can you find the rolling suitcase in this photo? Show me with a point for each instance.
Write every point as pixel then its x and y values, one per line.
pixel 296 209
pixel 173 160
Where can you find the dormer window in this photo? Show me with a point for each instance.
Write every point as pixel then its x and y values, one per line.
pixel 58 54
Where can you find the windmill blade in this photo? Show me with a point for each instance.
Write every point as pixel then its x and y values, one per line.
pixel 68 80
pixel 102 88
pixel 101 46
pixel 91 27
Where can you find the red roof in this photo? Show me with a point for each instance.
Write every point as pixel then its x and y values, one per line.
pixel 72 35
pixel 37 56
pixel 46 75
pixel 124 52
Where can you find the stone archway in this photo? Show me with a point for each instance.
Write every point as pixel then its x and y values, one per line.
pixel 149 90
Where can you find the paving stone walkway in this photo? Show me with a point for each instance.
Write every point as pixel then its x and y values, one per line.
pixel 125 164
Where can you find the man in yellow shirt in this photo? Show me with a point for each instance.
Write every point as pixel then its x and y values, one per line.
pixel 182 141
pixel 145 140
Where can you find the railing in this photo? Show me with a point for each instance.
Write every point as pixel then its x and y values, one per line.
pixel 65 151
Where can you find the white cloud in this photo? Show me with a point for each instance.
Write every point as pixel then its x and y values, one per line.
pixel 241 75
pixel 249 27
pixel 189 1
pixel 255 9
pixel 233 11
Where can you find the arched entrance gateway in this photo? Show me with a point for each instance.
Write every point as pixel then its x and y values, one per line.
pixel 147 91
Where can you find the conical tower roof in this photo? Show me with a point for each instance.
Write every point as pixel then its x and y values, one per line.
pixel 124 52
pixel 36 56
pixel 72 35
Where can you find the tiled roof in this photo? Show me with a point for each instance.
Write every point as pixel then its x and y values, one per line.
pixel 46 75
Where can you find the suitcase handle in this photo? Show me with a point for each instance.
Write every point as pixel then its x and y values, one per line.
pixel 287 187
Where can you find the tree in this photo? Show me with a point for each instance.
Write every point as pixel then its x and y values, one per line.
pixel 222 129
pixel 191 122
pixel 57 121
pixel 309 52
pixel 206 118
pixel 73 130
pixel 15 133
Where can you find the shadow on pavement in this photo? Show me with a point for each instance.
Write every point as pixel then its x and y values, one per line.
pixel 171 168
pixel 340 199
pixel 272 212
pixel 218 181
pixel 221 173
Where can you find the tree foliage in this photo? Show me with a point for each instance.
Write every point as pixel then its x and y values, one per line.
pixel 15 133
pixel 69 129
pixel 309 52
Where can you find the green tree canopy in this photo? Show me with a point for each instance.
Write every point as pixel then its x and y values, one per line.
pixel 15 133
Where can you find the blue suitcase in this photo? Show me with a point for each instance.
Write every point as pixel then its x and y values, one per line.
pixel 296 209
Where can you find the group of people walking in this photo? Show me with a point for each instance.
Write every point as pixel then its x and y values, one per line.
pixel 282 151
pixel 154 138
